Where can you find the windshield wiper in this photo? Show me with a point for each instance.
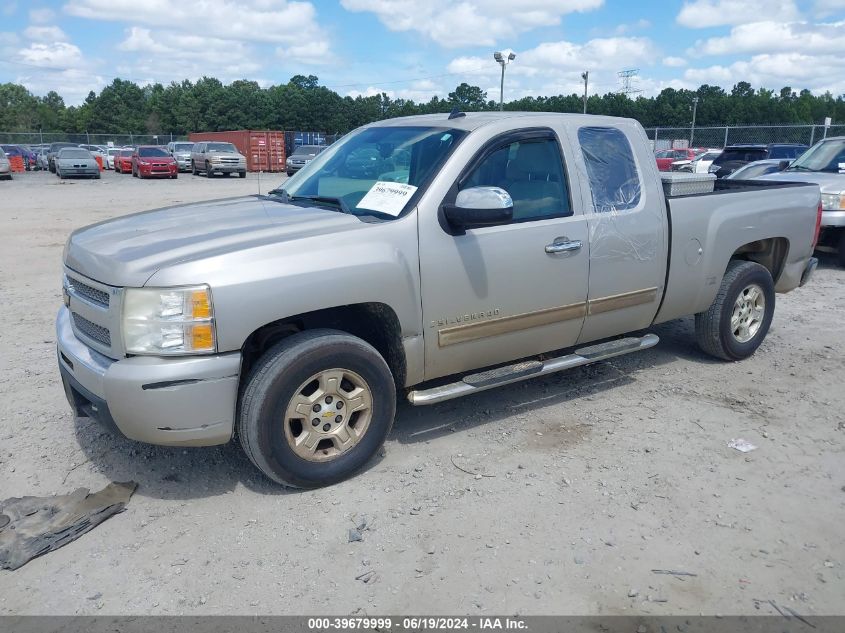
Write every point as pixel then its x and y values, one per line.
pixel 324 200
pixel 798 168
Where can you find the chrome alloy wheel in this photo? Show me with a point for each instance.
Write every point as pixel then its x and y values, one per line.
pixel 747 316
pixel 328 415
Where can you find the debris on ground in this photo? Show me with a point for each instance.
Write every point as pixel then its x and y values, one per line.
pixel 743 446
pixel 354 535
pixel 32 526
pixel 672 572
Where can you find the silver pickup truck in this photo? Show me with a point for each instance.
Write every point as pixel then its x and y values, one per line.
pixel 433 256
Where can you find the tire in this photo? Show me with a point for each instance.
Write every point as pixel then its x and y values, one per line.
pixel 241 174
pixel 840 248
pixel 175 176
pixel 58 173
pixel 290 173
pixel 194 168
pixel 714 330
pixel 98 176
pixel 209 173
pixel 280 375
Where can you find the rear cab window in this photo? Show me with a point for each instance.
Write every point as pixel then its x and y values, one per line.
pixel 611 169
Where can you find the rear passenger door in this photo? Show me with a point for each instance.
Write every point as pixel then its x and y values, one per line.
pixel 628 230
pixel 500 293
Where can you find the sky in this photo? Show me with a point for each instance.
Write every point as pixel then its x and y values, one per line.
pixel 415 49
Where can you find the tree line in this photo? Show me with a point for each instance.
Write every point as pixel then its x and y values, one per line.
pixel 304 104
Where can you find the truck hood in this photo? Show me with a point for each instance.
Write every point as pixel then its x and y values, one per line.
pixel 828 182
pixel 127 251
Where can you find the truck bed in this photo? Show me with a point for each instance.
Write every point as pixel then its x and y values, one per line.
pixel 707 229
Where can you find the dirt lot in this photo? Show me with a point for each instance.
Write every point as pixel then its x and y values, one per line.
pixel 587 480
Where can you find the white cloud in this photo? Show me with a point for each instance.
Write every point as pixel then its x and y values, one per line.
pixel 553 68
pixel 470 22
pixel 56 55
pixel 72 84
pixel 41 16
pixel 825 8
pixel 674 62
pixel 47 34
pixel 273 21
pixel 770 37
pixel 421 90
pixel 707 13
pixel 317 52
pixel 776 70
pixel 622 29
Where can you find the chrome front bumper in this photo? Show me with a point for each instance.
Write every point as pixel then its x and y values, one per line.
pixel 187 401
pixel 833 218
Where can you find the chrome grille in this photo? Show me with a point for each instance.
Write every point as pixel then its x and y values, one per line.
pixel 92 330
pixel 92 294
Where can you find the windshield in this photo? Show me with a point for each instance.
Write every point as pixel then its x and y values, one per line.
pixel 114 152
pixel 220 147
pixel 823 156
pixel 350 169
pixel 755 170
pixel 126 152
pixel 74 153
pixel 152 151
pixel 707 156
pixel 183 147
pixel 307 150
pixel 745 155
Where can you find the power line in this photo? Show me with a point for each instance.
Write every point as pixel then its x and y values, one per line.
pixel 627 77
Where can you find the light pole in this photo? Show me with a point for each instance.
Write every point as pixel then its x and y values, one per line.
pixel 694 108
pixel 503 61
pixel 586 77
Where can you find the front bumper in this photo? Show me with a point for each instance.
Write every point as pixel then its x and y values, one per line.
pixel 188 401
pixel 227 168
pixel 79 171
pixel 184 164
pixel 833 218
pixel 148 172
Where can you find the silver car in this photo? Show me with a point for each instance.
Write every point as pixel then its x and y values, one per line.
pixel 75 161
pixel 5 167
pixel 301 156
pixel 216 157
pixel 181 151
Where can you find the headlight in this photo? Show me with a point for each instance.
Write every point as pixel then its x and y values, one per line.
pixel 833 201
pixel 168 321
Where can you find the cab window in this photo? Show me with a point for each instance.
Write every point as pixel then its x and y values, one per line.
pixel 611 168
pixel 531 171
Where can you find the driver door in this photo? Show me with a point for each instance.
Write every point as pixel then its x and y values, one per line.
pixel 501 293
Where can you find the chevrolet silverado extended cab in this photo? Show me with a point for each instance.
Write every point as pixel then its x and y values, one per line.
pixel 433 256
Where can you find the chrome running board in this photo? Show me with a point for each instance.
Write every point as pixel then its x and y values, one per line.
pixel 473 383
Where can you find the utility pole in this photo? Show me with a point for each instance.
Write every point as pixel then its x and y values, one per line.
pixel 503 61
pixel 586 77
pixel 694 108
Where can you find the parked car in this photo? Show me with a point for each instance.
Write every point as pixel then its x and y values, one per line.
pixel 123 160
pixel 16 151
pixel 51 154
pixel 96 150
pixel 41 159
pixel 754 170
pixel 735 156
pixel 5 166
pixel 300 317
pixel 824 165
pixel 301 156
pixel 181 151
pixel 111 153
pixel 698 165
pixel 151 161
pixel 213 157
pixel 75 161
pixel 666 157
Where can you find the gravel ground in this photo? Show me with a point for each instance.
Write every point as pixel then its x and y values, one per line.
pixel 579 484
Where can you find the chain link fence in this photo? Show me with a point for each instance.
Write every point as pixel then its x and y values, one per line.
pixel 721 136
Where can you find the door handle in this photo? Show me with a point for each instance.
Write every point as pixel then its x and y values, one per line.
pixel 563 245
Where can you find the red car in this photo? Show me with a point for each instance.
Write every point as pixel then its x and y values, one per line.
pixel 123 161
pixel 665 157
pixel 149 161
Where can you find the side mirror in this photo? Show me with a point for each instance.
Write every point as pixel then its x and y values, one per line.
pixel 783 164
pixel 479 206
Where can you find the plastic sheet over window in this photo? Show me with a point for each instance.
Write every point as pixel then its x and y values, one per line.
pixel 614 181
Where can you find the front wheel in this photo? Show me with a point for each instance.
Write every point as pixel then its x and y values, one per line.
pixel 241 174
pixel 315 408
pixel 194 168
pixel 737 321
pixel 208 171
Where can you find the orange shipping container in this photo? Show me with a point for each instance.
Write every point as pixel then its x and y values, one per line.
pixel 264 149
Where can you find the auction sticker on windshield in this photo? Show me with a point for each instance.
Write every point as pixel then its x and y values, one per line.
pixel 387 197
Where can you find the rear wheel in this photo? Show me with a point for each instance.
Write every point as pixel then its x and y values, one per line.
pixel 315 408
pixel 737 321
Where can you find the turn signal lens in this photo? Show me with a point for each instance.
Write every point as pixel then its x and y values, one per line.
pixel 200 304
pixel 202 337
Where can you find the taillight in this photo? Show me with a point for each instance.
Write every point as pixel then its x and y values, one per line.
pixel 818 224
